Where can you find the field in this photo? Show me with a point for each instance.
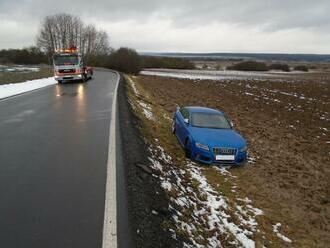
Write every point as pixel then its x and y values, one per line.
pixel 286 123
pixel 9 75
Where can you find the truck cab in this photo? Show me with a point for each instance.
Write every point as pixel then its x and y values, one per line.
pixel 69 66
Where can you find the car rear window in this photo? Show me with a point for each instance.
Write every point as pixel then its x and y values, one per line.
pixel 207 120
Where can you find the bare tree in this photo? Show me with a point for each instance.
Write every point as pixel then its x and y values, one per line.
pixel 64 30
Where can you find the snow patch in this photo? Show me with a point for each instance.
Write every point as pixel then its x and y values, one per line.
pixel 133 85
pixel 18 69
pixel 146 110
pixel 210 210
pixel 7 90
pixel 276 228
pixel 211 75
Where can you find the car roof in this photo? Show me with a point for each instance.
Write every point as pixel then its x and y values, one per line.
pixel 196 109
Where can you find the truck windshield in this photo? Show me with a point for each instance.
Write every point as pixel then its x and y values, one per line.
pixel 207 120
pixel 65 59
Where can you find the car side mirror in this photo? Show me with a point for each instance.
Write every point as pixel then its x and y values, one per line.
pixel 186 121
pixel 231 124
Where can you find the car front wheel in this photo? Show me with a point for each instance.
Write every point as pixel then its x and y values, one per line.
pixel 187 149
pixel 173 127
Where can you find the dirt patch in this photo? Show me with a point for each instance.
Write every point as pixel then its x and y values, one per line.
pixel 287 127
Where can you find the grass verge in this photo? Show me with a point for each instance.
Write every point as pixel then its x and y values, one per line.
pixel 18 77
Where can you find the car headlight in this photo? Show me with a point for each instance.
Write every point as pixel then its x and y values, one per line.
pixel 243 149
pixel 202 146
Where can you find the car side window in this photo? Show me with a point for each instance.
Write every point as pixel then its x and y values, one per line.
pixel 185 113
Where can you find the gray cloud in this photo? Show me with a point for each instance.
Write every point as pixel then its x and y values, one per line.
pixel 267 17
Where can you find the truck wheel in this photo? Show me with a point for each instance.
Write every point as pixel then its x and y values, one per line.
pixel 60 81
pixel 83 78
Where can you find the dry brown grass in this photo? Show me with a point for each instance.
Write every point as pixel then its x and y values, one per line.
pixel 288 183
pixel 160 129
pixel 17 77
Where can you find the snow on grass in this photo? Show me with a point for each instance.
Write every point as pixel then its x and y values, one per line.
pixel 18 69
pixel 276 228
pixel 210 216
pixel 133 85
pixel 166 185
pixel 251 159
pixel 155 164
pixel 211 75
pixel 167 117
pixel 263 96
pixel 218 217
pixel 7 90
pixel 146 108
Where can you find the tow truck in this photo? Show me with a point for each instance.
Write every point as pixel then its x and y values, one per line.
pixel 69 65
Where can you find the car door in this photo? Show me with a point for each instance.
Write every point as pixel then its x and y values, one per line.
pixel 185 129
pixel 182 126
pixel 178 124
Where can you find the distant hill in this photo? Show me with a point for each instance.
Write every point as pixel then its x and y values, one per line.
pixel 247 56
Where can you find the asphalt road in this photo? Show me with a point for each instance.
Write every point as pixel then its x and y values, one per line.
pixel 53 163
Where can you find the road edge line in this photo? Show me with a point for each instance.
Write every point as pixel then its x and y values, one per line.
pixel 110 239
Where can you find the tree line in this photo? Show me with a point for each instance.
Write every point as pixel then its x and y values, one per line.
pixel 262 66
pixel 63 31
pixel 28 56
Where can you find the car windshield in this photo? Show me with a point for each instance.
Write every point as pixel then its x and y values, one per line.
pixel 207 120
pixel 66 60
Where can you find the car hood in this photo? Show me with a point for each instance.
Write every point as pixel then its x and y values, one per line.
pixel 217 137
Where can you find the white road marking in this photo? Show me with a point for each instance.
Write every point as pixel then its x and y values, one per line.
pixel 110 210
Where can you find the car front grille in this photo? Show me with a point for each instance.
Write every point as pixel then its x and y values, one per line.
pixel 224 151
pixel 225 162
pixel 67 70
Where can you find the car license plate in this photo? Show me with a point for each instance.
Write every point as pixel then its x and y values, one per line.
pixel 225 157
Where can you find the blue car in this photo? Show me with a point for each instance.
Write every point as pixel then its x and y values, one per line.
pixel 208 136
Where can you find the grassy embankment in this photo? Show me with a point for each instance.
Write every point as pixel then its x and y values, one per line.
pixel 17 77
pixel 157 133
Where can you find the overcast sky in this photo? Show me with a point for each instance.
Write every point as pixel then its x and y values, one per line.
pixel 288 26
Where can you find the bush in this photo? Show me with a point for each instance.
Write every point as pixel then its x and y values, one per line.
pixel 125 60
pixel 301 68
pixel 278 66
pixel 165 62
pixel 249 66
pixel 97 60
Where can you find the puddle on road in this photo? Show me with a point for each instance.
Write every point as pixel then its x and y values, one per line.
pixel 74 94
pixel 19 117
